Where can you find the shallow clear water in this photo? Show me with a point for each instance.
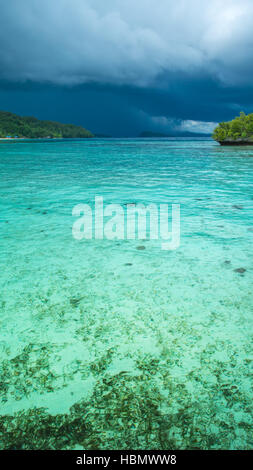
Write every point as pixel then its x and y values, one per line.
pixel 107 346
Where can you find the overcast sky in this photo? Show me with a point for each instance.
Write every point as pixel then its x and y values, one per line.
pixel 123 66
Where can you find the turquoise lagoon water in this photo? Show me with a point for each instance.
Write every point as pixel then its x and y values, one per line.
pixel 104 345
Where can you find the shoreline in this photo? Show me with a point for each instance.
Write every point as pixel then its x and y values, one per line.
pixel 41 139
pixel 236 142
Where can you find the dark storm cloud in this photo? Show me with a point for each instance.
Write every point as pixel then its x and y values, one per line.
pixel 128 110
pixel 125 41
pixel 121 66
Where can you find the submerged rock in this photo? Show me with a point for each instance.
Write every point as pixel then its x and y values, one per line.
pixel 75 301
pixel 141 247
pixel 240 270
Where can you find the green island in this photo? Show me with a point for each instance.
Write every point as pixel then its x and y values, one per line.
pixel 14 126
pixel 239 131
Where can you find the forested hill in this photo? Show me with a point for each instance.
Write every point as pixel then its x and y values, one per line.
pixel 238 131
pixel 32 128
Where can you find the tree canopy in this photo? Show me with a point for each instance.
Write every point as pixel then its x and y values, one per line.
pixel 240 128
pixel 32 128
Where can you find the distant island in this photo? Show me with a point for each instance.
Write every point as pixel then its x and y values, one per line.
pixel 174 134
pixel 14 126
pixel 239 131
